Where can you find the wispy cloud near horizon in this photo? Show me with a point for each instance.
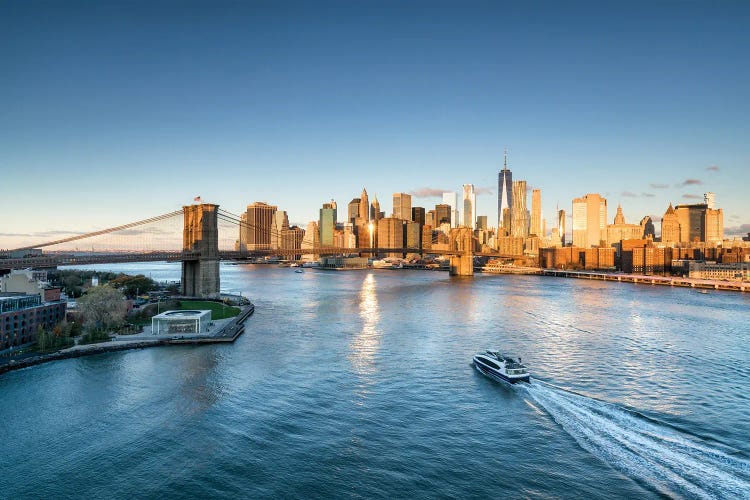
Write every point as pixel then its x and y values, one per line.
pixel 659 186
pixel 428 193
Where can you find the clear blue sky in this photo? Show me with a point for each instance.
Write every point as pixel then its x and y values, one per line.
pixel 115 112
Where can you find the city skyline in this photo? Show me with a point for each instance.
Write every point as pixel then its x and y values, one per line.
pixel 134 104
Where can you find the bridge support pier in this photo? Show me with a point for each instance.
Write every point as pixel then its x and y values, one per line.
pixel 462 240
pixel 200 275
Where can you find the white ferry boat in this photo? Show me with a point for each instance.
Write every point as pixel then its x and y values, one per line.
pixel 500 367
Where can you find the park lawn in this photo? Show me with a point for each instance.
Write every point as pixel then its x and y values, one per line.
pixel 218 310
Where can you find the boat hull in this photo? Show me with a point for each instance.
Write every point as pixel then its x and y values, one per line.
pixel 498 376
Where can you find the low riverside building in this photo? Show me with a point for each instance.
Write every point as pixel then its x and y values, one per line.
pixel 734 271
pixel 21 315
pixel 341 263
pixel 181 322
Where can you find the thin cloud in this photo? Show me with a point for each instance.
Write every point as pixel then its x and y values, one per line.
pixel 713 168
pixel 734 217
pixel 628 194
pixel 741 230
pixel 42 234
pixel 691 182
pixel 428 193
pixel 660 186
pixel 648 195
pixel 484 190
pixel 691 197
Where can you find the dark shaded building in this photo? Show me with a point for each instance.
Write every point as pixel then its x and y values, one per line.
pixel 22 315
pixel 418 215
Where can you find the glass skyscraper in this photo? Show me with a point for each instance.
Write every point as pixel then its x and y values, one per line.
pixel 504 192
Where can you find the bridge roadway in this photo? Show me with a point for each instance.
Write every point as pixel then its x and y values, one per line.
pixel 69 259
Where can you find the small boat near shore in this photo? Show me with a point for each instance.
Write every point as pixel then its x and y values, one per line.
pixel 500 367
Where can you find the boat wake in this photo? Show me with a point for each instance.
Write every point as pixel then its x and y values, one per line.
pixel 668 460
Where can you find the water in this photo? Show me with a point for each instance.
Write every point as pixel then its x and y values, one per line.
pixel 359 384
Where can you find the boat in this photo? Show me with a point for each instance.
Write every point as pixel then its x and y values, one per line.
pixel 500 367
pixel 299 270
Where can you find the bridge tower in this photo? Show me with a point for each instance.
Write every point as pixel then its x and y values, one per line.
pixel 200 273
pixel 462 240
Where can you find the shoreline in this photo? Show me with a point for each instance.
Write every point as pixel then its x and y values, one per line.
pixel 233 329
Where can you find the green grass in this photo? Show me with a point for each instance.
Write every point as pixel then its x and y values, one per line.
pixel 218 310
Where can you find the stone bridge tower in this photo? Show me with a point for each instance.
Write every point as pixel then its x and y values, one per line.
pixel 462 240
pixel 200 273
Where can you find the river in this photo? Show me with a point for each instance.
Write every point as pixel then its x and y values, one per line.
pixel 359 384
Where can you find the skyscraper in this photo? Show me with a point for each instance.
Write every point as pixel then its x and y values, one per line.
pixel 504 192
pixel 670 226
pixel 452 200
pixel 536 213
pixel 255 233
pixel 589 220
pixel 364 207
pixel 327 223
pixel 402 206
pixel 442 214
pixel 352 210
pixel 418 215
pixel 280 225
pixel 520 222
pixel 561 225
pixel 375 213
pixel 470 206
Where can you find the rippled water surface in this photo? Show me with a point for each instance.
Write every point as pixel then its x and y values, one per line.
pixel 359 384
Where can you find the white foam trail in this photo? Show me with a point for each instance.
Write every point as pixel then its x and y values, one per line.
pixel 663 457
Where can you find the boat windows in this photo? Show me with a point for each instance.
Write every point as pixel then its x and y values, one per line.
pixel 487 362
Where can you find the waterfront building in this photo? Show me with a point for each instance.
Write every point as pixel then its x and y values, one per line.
pixel 352 210
pixel 589 220
pixel 443 214
pixel 21 316
pixel 310 240
pixel 451 200
pixel 426 241
pixel 402 206
pixel 291 239
pixel 520 223
pixel 391 235
pixel 181 322
pixel 418 215
pixel 29 282
pixel 619 230
pixel 256 226
pixel 536 213
pixel 349 237
pixel 412 235
pixel 470 206
pixel 641 256
pixel 504 195
pixel 482 222
pixel 510 245
pixel 327 223
pixel 734 271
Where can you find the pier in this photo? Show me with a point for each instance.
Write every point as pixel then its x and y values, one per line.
pixel 703 284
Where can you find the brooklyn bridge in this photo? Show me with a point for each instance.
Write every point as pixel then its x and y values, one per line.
pixel 208 237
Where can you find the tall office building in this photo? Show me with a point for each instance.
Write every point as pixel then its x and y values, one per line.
pixel 352 210
pixel 589 220
pixel 280 225
pixel 375 213
pixel 470 206
pixel 536 213
pixel 504 195
pixel 327 223
pixel 520 222
pixel 442 214
pixel 364 207
pixel 670 226
pixel 418 215
pixel 561 225
pixel 255 233
pixel 452 200
pixel 699 223
pixel 710 200
pixel 402 206
pixel 482 222
pixel 391 235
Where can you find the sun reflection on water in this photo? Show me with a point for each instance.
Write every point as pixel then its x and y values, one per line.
pixel 364 346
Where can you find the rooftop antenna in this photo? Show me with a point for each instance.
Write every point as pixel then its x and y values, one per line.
pixel 505 160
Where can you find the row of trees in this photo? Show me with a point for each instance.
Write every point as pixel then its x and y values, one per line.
pixel 59 337
pixel 72 282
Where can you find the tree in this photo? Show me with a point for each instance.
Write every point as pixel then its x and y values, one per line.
pixel 102 308
pixel 41 338
pixel 134 285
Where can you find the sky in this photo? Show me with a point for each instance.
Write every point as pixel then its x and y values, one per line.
pixel 112 112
